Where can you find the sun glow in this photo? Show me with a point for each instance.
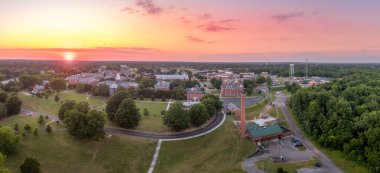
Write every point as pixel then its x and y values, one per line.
pixel 69 56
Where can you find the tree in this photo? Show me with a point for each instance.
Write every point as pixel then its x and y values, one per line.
pixel 210 106
pixel 176 117
pixel 3 96
pixel 13 105
pixel 82 107
pixel 2 162
pixel 261 80
pixel 102 90
pixel 35 132
pixel 41 119
pixel 198 114
pixel 8 140
pixel 180 93
pixel 27 127
pixel 48 129
pixel 146 112
pixel 3 110
pixel 85 125
pixel 28 81
pixel 68 105
pixel 114 102
pixel 56 98
pixel 217 103
pixel 57 84
pixel 147 82
pixel 16 128
pixel 30 165
pixel 217 83
pixel 127 114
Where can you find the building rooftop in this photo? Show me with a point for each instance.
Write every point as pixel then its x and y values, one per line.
pixel 257 131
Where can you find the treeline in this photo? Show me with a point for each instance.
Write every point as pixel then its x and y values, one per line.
pixel 344 115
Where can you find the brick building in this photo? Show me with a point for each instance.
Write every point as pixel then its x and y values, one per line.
pixel 231 89
pixel 194 93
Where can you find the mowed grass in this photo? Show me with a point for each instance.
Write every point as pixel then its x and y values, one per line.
pixel 50 106
pixel 336 156
pixel 60 153
pixel 271 167
pixel 153 122
pixel 219 151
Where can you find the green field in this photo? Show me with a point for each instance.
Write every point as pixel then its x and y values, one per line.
pixel 335 155
pixel 276 112
pixel 49 106
pixel 219 151
pixel 153 122
pixel 271 167
pixel 58 152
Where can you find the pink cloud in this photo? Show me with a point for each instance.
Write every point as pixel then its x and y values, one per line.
pixel 196 39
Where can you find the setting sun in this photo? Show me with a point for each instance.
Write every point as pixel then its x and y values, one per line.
pixel 69 56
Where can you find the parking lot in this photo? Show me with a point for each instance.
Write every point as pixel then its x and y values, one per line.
pixel 276 150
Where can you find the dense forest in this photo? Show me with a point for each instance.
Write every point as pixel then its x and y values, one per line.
pixel 344 115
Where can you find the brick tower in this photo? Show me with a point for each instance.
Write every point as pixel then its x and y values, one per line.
pixel 242 116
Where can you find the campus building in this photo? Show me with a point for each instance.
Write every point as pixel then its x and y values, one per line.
pixel 259 133
pixel 172 77
pixel 162 85
pixel 231 89
pixel 194 93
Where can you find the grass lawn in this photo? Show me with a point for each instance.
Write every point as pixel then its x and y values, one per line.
pixel 292 167
pixel 255 110
pixel 219 151
pixel 335 155
pixel 59 152
pixel 153 122
pixel 49 106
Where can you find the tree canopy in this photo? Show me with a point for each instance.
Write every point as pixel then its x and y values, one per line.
pixel 176 117
pixel 127 115
pixel 343 115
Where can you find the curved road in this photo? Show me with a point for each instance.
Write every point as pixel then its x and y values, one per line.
pixel 214 123
pixel 218 120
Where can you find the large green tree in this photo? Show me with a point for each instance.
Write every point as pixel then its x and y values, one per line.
pixel 114 102
pixel 177 118
pixel 8 140
pixel 57 84
pixel 13 105
pixel 85 125
pixel 3 96
pixel 198 114
pixel 127 114
pixel 67 105
pixel 30 165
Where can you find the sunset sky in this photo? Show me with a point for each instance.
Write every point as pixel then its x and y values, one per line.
pixel 191 30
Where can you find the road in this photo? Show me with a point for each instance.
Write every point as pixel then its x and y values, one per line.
pixel 327 164
pixel 217 121
pixel 219 118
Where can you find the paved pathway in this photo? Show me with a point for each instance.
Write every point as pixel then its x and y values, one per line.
pixel 155 156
